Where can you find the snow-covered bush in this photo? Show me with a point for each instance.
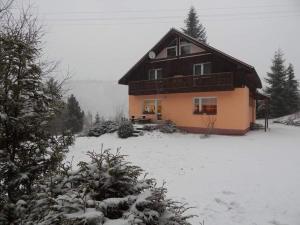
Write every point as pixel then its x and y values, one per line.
pixel 149 127
pixel 168 127
pixel 125 129
pixel 107 190
pixel 103 127
pixel 293 119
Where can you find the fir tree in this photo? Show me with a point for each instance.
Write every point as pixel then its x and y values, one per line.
pixel 88 121
pixel 97 119
pixel 193 27
pixel 109 189
pixel 54 89
pixel 28 151
pixel 276 80
pixel 74 116
pixel 292 91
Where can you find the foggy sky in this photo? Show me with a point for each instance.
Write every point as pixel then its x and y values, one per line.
pixel 102 39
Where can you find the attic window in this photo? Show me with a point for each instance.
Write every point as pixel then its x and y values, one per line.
pixel 185 47
pixel 172 51
pixel 172 48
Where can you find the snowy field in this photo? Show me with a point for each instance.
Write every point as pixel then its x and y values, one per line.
pixel 231 180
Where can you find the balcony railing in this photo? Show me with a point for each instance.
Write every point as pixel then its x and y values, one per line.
pixel 201 83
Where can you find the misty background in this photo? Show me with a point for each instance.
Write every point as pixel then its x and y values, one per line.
pixel 98 41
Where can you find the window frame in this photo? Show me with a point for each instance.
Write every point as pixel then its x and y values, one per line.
pixel 202 68
pixel 172 47
pixel 200 104
pixel 156 100
pixel 155 73
pixel 184 45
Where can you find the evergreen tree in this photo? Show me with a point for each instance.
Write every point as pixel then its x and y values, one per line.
pixel 54 89
pixel 292 91
pixel 28 151
pixel 108 190
pixel 276 80
pixel 74 116
pixel 88 121
pixel 193 27
pixel 97 119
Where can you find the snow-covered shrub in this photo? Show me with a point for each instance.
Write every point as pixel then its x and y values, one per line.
pixel 292 120
pixel 103 127
pixel 149 127
pixel 168 127
pixel 109 189
pixel 125 129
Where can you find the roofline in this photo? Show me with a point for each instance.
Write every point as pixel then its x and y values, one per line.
pixel 145 56
pixel 199 44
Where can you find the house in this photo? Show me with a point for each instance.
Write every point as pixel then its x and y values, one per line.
pixel 196 86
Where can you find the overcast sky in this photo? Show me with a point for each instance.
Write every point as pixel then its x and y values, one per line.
pixel 102 39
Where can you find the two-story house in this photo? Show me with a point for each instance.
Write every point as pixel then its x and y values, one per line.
pixel 194 85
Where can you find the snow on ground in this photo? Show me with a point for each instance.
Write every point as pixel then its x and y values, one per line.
pixel 232 180
pixel 293 119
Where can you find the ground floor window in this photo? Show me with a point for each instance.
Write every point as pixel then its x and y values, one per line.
pixel 205 105
pixel 152 106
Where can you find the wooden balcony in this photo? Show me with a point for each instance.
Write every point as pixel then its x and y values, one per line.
pixel 201 83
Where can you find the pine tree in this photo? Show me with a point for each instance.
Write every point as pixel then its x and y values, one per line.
pixel 74 116
pixel 28 151
pixel 276 80
pixel 292 91
pixel 193 27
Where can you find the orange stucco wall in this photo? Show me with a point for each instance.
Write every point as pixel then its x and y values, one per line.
pixel 233 110
pixel 252 110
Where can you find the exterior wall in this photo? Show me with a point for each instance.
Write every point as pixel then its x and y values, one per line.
pixel 252 111
pixel 233 111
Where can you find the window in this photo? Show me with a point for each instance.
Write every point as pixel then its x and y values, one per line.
pixel 152 106
pixel 202 68
pixel 185 49
pixel 155 74
pixel 205 105
pixel 172 51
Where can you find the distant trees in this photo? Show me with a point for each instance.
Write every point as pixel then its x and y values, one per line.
pixel 292 91
pixel 73 116
pixel 193 27
pixel 282 87
pixel 97 118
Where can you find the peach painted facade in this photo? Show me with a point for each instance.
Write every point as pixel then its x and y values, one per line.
pixel 234 111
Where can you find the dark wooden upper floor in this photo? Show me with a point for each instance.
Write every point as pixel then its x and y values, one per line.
pixel 171 67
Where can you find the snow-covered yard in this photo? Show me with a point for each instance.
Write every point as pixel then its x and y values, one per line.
pixel 251 179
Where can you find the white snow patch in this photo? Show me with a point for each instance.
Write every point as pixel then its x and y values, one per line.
pixel 251 179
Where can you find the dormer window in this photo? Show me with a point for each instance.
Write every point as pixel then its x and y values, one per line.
pixel 155 74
